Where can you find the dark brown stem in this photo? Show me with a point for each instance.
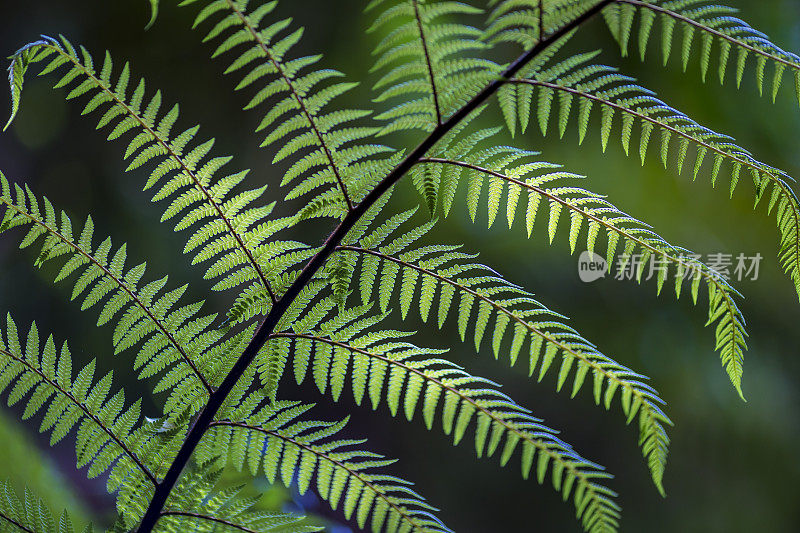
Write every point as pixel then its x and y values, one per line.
pixel 314 264
pixel 541 20
pixel 15 523
pixel 210 519
pixel 428 62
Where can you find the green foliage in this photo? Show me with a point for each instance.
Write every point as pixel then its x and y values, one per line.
pixel 303 311
pixel 427 76
pixel 27 464
pixel 108 439
pixel 328 156
pixel 220 510
pixel 30 514
pixel 515 319
pixel 273 438
pixel 719 32
pixel 506 171
pixel 172 340
pixel 576 86
pixel 409 377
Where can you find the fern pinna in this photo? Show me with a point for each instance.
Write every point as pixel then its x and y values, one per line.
pixel 302 310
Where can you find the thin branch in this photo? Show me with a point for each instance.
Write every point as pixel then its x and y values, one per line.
pixel 541 20
pixel 86 411
pixel 428 62
pixel 265 329
pixel 121 283
pixel 15 523
pixel 380 494
pixel 210 519
pixel 181 163
pixel 686 20
pixel 300 102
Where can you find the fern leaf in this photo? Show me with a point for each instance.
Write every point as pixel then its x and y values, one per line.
pixel 619 95
pixel 400 373
pixel 514 316
pixel 275 439
pixel 171 339
pixel 618 226
pixel 430 63
pixel 30 514
pixel 327 153
pixel 721 31
pixel 228 231
pixel 108 440
pixel 197 504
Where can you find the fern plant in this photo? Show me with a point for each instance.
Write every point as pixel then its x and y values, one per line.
pixel 322 312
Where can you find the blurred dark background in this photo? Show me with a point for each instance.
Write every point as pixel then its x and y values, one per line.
pixel 733 466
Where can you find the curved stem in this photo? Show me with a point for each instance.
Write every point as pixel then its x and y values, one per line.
pixel 15 523
pixel 214 519
pixel 265 329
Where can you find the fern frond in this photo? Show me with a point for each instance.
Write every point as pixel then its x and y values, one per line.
pixel 30 514
pixel 196 505
pixel 228 231
pixel 527 22
pixel 576 86
pixel 274 439
pixel 328 154
pixel 721 34
pixel 107 439
pixel 173 339
pixel 516 173
pixel 512 316
pixel 432 65
pixel 385 368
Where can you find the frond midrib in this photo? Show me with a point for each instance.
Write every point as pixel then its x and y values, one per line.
pixel 175 157
pixel 707 29
pixel 86 411
pixel 555 457
pixel 121 283
pixel 322 455
pixel 428 62
pixel 314 264
pixel 300 102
